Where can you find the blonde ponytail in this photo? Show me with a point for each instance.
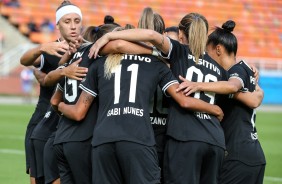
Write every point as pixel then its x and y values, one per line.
pixel 197 38
pixel 112 61
pixel 195 28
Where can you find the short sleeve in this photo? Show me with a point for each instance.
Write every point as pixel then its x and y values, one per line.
pixel 90 83
pixel 238 72
pixel 166 78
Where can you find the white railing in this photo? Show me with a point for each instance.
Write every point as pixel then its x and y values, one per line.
pixel 264 64
pixel 11 58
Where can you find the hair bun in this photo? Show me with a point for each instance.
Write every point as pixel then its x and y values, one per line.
pixel 229 25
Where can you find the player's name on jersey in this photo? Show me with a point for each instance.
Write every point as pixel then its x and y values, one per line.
pixel 202 115
pixel 206 64
pixel 158 121
pixel 136 58
pixel 125 110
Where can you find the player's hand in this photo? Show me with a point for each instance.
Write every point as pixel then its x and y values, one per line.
pixel 220 113
pixel 187 87
pixel 55 48
pixel 74 71
pixel 101 42
pixel 75 44
pixel 256 72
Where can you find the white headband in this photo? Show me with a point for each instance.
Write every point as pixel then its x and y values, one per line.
pixel 66 10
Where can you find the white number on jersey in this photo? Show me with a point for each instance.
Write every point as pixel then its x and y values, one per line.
pixel 133 82
pixel 192 71
pixel 73 84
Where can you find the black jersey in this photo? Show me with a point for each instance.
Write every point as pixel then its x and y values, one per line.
pixel 239 122
pixel 46 126
pixel 186 125
pixel 48 63
pixel 158 114
pixel 68 129
pixel 124 99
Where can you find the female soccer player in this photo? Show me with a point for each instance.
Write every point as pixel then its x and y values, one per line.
pixel 46 58
pixel 123 138
pixel 245 161
pixel 195 147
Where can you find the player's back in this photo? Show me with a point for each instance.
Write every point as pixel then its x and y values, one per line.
pixel 124 99
pixel 195 126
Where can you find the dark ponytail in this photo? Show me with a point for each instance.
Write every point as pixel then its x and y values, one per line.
pixel 224 37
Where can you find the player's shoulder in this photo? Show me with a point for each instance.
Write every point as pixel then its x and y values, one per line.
pixel 244 65
pixel 241 66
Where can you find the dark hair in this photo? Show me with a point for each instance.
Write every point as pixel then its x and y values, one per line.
pixel 225 37
pixel 172 29
pixel 195 27
pixel 99 31
pixel 93 33
pixel 64 3
pixel 108 19
pixel 129 26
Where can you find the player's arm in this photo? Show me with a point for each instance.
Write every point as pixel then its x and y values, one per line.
pixel 40 76
pixel 78 111
pixel 194 104
pixel 132 35
pixel 65 58
pixel 56 99
pixel 122 46
pixel 251 99
pixel 73 71
pixel 221 87
pixel 31 57
pixel 73 46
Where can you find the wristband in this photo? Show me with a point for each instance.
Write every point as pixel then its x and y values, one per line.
pixel 155 52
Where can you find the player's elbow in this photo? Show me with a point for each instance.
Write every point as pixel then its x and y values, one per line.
pixel 79 116
pixel 54 102
pixel 232 88
pixel 119 45
pixel 254 105
pixel 186 104
pixel 23 61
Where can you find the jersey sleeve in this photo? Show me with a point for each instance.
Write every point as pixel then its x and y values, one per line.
pixel 61 85
pixel 166 78
pixel 90 83
pixel 173 51
pixel 238 72
pixel 41 64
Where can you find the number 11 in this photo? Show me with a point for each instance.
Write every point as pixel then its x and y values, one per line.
pixel 133 82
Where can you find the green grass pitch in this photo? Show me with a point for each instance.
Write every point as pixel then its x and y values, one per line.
pixel 14 120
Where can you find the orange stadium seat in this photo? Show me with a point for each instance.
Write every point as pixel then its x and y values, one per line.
pixel 255 31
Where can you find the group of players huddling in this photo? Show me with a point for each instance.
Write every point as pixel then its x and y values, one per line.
pixel 143 106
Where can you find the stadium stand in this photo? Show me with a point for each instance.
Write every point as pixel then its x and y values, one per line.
pixel 260 33
pixel 258 29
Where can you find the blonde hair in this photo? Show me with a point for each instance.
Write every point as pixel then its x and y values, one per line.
pixel 195 27
pixel 147 19
pixel 151 20
pixel 112 61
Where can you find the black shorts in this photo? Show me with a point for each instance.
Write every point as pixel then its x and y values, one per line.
pixel 36 158
pixel 160 146
pixel 35 119
pixel 51 170
pixel 236 172
pixel 125 162
pixel 74 161
pixel 192 162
